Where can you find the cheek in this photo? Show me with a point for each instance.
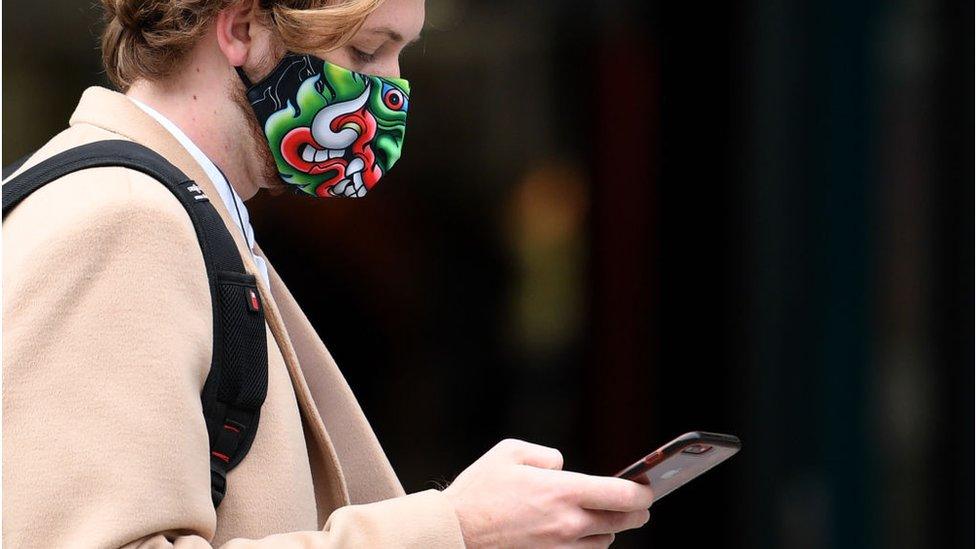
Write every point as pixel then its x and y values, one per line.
pixel 340 57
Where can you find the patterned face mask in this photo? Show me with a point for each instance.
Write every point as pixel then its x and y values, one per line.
pixel 332 132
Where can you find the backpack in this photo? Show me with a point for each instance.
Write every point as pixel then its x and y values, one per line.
pixel 237 383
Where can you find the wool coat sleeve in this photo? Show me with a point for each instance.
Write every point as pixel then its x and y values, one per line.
pixel 107 340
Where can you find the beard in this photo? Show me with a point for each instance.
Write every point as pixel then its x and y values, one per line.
pixel 269 178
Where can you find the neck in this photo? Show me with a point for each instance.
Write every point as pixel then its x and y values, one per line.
pixel 198 101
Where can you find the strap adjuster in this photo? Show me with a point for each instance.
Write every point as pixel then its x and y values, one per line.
pixel 218 481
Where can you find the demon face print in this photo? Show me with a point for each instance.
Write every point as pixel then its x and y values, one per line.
pixel 333 132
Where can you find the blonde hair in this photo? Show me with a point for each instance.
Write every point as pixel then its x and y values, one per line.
pixel 148 38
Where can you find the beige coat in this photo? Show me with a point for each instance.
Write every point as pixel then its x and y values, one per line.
pixel 106 345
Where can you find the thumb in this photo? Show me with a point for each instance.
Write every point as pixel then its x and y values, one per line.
pixel 535 455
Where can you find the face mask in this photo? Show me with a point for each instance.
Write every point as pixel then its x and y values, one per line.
pixel 332 132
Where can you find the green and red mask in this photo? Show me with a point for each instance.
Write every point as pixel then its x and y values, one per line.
pixel 333 132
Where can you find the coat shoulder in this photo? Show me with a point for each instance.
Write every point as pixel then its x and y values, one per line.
pixel 95 202
pixel 103 227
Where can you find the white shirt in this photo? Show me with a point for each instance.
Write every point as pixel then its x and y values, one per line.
pixel 227 193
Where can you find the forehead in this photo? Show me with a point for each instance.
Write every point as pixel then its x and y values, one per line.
pixel 400 20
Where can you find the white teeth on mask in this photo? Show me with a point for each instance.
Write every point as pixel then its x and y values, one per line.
pixel 355 166
pixel 339 189
pixel 357 180
pixel 354 187
pixel 308 154
pixel 311 154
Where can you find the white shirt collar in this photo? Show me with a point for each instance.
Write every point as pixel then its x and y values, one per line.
pixel 232 201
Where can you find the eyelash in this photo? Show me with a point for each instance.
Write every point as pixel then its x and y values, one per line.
pixel 363 56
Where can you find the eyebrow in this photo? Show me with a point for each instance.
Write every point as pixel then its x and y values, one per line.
pixel 390 33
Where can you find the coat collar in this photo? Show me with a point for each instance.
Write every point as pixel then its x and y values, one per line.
pixel 116 113
pixel 368 473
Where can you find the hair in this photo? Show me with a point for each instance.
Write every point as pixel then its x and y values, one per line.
pixel 149 38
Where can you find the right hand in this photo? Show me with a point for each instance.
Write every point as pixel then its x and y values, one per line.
pixel 516 495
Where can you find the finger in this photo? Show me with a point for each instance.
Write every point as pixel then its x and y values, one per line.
pixel 611 522
pixel 526 453
pixel 612 494
pixel 598 541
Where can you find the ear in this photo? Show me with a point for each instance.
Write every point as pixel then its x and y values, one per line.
pixel 235 27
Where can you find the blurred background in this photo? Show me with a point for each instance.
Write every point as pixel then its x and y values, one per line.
pixel 619 221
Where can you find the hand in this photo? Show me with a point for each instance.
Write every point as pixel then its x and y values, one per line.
pixel 516 495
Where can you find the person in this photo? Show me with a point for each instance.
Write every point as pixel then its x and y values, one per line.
pixel 107 335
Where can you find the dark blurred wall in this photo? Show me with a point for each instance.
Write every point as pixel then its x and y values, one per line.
pixel 618 221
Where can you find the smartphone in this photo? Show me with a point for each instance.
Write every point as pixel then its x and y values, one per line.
pixel 684 458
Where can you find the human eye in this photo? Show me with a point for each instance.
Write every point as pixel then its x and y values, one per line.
pixel 362 56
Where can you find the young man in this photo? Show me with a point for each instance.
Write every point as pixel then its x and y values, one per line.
pixel 107 312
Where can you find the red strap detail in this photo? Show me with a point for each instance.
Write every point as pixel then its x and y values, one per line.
pixel 220 456
pixel 252 300
pixel 231 428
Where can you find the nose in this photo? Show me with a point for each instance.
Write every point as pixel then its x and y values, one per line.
pixel 389 70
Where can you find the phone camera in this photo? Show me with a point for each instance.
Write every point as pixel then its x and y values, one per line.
pixel 696 449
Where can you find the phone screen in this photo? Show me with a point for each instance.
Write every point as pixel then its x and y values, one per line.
pixel 681 460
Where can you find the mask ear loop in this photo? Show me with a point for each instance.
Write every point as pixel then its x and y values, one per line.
pixel 243 77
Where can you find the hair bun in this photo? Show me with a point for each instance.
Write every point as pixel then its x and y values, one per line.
pixel 132 15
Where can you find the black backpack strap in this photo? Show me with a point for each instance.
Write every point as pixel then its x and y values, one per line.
pixel 238 380
pixel 14 166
